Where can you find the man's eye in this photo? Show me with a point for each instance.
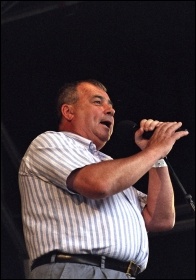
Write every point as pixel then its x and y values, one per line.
pixel 97 101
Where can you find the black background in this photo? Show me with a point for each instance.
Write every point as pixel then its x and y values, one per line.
pixel 144 53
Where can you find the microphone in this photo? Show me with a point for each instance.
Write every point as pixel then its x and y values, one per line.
pixel 125 127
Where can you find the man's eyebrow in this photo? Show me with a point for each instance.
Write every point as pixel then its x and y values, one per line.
pixel 102 98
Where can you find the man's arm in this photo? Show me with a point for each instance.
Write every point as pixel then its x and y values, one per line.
pixel 159 213
pixel 110 177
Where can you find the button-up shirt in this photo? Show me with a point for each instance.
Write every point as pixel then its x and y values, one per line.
pixel 55 217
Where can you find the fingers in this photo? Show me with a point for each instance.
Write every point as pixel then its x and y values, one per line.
pixel 166 128
pixel 173 129
pixel 164 135
pixel 149 124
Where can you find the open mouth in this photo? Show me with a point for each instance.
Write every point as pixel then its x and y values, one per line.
pixel 106 123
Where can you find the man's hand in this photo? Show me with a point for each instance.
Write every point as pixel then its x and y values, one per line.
pixel 163 138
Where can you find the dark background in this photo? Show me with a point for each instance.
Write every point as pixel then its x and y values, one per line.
pixel 144 52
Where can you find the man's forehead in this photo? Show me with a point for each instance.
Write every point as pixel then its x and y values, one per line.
pixel 90 89
pixel 86 86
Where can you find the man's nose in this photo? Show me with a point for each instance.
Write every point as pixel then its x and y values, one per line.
pixel 109 110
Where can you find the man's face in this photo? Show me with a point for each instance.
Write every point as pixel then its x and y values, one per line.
pixel 93 114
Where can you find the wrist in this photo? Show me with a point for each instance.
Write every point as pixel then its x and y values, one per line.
pixel 160 163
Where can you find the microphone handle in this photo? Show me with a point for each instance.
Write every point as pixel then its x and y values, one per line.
pixel 125 126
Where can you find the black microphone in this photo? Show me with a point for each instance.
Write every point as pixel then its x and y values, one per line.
pixel 126 127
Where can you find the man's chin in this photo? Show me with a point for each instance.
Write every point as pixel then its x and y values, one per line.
pixel 105 139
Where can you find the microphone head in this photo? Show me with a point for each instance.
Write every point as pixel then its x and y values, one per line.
pixel 125 128
pixel 122 142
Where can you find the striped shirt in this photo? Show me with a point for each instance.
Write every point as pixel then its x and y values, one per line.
pixel 55 217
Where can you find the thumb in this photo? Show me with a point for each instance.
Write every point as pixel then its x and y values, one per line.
pixel 139 133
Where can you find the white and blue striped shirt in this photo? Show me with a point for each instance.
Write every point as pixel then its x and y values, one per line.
pixel 56 218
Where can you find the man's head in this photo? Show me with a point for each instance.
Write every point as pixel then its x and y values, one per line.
pixel 85 108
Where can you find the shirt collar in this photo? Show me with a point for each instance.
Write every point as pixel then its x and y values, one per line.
pixel 84 141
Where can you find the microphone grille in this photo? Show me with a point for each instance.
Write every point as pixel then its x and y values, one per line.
pixel 125 128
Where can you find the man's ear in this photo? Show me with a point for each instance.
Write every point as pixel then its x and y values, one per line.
pixel 67 111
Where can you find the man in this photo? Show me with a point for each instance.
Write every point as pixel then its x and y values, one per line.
pixel 82 216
